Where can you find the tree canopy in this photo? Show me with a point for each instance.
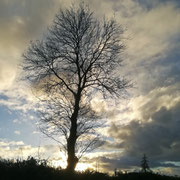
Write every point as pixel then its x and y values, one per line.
pixel 77 58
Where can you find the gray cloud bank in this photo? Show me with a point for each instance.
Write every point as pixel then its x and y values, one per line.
pixel 156 132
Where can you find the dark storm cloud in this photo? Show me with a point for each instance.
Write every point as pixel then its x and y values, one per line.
pixel 155 132
pixel 158 138
pixel 122 163
pixel 130 163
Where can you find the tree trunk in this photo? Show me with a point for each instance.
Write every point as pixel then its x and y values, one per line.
pixel 72 159
pixel 71 142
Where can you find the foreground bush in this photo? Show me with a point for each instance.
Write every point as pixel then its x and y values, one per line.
pixel 32 169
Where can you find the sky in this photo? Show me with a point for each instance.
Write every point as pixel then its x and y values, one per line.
pixel 147 121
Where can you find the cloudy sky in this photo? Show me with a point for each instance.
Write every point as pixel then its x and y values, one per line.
pixel 147 122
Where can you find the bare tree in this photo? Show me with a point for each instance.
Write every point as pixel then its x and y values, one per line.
pixel 78 57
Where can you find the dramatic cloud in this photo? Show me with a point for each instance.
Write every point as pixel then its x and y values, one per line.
pixel 155 132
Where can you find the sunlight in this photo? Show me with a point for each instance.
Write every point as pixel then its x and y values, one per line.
pixel 62 162
pixel 82 166
pixel 58 163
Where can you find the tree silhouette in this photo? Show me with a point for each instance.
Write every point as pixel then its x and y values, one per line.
pixel 144 165
pixel 78 57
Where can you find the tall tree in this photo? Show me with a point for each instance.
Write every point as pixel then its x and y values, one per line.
pixel 78 57
pixel 144 165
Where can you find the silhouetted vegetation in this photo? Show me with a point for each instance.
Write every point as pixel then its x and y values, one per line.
pixel 77 58
pixel 145 165
pixel 38 169
pixel 145 176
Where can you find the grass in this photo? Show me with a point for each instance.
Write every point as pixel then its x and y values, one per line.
pixel 32 169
